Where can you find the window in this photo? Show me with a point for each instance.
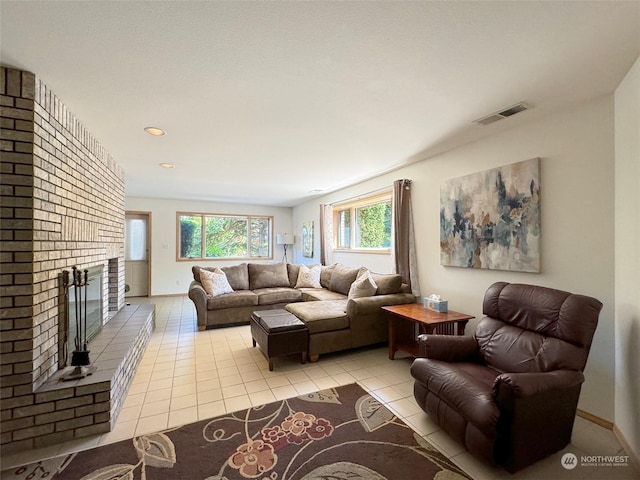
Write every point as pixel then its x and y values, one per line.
pixel 363 224
pixel 212 236
pixel 135 238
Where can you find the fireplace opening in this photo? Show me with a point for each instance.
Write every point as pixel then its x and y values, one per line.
pixel 94 313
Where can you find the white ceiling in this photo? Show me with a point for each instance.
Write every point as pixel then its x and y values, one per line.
pixel 265 102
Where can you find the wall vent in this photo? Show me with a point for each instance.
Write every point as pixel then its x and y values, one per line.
pixel 507 112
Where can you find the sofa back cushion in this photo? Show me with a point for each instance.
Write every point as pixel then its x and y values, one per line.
pixel 342 278
pixel 238 276
pixel 196 273
pixel 292 270
pixel 387 283
pixel 325 275
pixel 266 275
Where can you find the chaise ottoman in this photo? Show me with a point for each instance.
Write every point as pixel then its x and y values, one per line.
pixel 278 332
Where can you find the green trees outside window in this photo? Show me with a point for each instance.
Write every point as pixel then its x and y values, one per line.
pixel 364 224
pixel 208 236
pixel 373 226
pixel 190 236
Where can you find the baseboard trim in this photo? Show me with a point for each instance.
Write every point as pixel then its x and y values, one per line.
pixel 160 295
pixel 169 295
pixel 595 419
pixel 635 459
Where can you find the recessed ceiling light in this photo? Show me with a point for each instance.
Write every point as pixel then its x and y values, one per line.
pixel 157 132
pixel 316 190
pixel 167 165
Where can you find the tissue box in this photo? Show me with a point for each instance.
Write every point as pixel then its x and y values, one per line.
pixel 436 305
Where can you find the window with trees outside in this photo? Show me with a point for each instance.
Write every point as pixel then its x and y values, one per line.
pixel 213 236
pixel 363 224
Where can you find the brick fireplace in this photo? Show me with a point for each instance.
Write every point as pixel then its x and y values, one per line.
pixel 62 198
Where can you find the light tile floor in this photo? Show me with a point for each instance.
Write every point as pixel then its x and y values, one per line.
pixel 186 375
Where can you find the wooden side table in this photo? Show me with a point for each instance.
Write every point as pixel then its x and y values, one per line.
pixel 404 318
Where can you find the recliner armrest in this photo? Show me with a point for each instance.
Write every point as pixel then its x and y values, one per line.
pixel 448 348
pixel 522 385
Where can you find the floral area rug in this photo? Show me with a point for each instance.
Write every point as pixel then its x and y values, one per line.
pixel 338 434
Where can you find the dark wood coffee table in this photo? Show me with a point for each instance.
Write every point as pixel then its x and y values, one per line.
pixel 404 318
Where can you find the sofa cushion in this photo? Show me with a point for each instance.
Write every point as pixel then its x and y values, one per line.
pixel 388 283
pixel 269 296
pixel 292 270
pixel 241 298
pixel 266 275
pixel 325 275
pixel 342 278
pixel 215 283
pixel 312 294
pixel 321 316
pixel 196 273
pixel 466 387
pixel 309 277
pixel 364 286
pixel 238 276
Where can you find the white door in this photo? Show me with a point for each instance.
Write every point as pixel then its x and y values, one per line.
pixel 136 256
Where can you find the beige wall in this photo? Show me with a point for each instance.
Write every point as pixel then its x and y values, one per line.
pixel 627 258
pixel 169 276
pixel 577 195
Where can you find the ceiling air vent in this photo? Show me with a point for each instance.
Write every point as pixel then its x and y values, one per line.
pixel 507 112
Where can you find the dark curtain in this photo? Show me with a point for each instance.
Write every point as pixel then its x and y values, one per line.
pixel 326 245
pixel 404 241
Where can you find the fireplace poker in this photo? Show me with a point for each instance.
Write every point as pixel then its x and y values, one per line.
pixel 65 286
pixel 75 290
pixel 80 309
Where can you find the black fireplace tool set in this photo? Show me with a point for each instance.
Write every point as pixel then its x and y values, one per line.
pixel 80 356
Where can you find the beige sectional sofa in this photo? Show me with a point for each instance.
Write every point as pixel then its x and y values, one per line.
pixel 336 320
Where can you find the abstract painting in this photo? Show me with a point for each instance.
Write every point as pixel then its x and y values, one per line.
pixel 491 219
pixel 307 239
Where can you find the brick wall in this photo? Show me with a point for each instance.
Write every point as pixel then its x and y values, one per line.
pixel 62 204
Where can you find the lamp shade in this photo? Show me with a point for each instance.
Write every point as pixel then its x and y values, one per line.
pixel 284 239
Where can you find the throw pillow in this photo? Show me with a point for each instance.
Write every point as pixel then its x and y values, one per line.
pixel 309 277
pixel 215 283
pixel 364 286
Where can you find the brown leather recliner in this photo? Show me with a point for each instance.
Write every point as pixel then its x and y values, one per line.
pixel 509 393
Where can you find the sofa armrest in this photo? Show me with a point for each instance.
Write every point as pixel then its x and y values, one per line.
pixel 198 295
pixel 448 348
pixel 523 385
pixel 373 304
